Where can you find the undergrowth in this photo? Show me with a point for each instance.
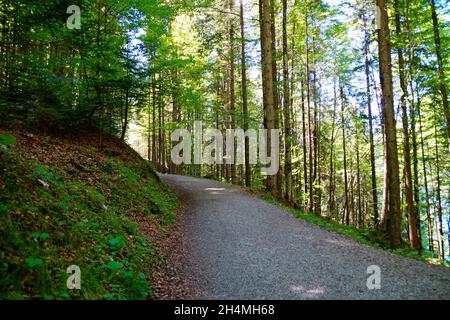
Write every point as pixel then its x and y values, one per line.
pixel 49 221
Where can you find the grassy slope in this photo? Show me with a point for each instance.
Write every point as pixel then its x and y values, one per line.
pixel 89 201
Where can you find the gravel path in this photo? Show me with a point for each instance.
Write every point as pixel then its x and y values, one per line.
pixel 242 247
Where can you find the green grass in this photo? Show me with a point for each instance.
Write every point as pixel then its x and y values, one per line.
pixel 48 222
pixel 362 235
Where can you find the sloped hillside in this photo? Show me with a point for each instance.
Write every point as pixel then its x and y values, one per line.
pixel 86 200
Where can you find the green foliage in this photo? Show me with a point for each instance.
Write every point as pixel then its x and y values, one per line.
pixel 7 140
pixel 114 266
pixel 60 77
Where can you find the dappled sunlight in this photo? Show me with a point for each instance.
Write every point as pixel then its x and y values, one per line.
pixel 305 293
pixel 297 289
pixel 215 191
pixel 340 243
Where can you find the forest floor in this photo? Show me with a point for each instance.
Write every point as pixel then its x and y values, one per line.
pixel 238 246
pixel 79 199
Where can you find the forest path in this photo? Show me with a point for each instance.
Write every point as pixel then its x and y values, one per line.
pixel 242 247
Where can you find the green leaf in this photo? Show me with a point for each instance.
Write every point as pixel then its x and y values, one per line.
pixel 6 139
pixel 44 173
pixel 34 262
pixel 40 236
pixel 114 266
pixel 116 244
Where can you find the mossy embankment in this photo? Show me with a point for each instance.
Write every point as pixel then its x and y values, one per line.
pixel 79 199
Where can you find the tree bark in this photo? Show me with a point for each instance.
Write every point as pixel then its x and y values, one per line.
pixel 371 135
pixel 346 215
pixel 412 226
pixel 267 73
pixel 231 78
pixel 392 214
pixel 442 81
pixel 248 172
pixel 286 109
pixel 427 197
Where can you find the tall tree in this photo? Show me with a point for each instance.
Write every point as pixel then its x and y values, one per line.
pixel 392 215
pixel 286 108
pixel 248 173
pixel 412 227
pixel 442 80
pixel 371 133
pixel 268 77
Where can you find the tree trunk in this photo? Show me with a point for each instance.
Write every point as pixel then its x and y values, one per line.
pixel 267 72
pixel 412 226
pixel 305 165
pixel 417 200
pixel 286 109
pixel 125 121
pixel 358 180
pixel 308 97
pixel 438 192
pixel 276 93
pixel 442 81
pixel 331 202
pixel 231 78
pixel 248 172
pixel 154 155
pixel 392 213
pixel 371 135
pixel 346 215
pixel 427 197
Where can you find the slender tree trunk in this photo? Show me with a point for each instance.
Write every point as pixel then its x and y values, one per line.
pixel 268 85
pixel 276 97
pixel 308 97
pixel 248 173
pixel 417 200
pixel 438 191
pixel 412 226
pixel 160 131
pixel 231 78
pixel 358 180
pixel 149 135
pixel 286 109
pixel 154 155
pixel 427 197
pixel 346 215
pixel 316 180
pixel 125 121
pixel 371 135
pixel 304 144
pixel 442 82
pixel 392 215
pixel 175 120
pixel 331 202
pixel 293 115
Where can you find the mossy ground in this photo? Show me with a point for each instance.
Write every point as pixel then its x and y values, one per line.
pixel 88 201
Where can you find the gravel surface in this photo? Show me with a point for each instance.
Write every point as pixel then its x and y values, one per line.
pixel 241 247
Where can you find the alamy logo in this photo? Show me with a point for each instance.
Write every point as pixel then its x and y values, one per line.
pixel 211 148
pixel 374 280
pixel 74 21
pixel 74 280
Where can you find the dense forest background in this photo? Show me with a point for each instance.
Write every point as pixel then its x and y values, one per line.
pixel 360 94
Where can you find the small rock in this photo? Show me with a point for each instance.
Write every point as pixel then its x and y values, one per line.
pixel 44 184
